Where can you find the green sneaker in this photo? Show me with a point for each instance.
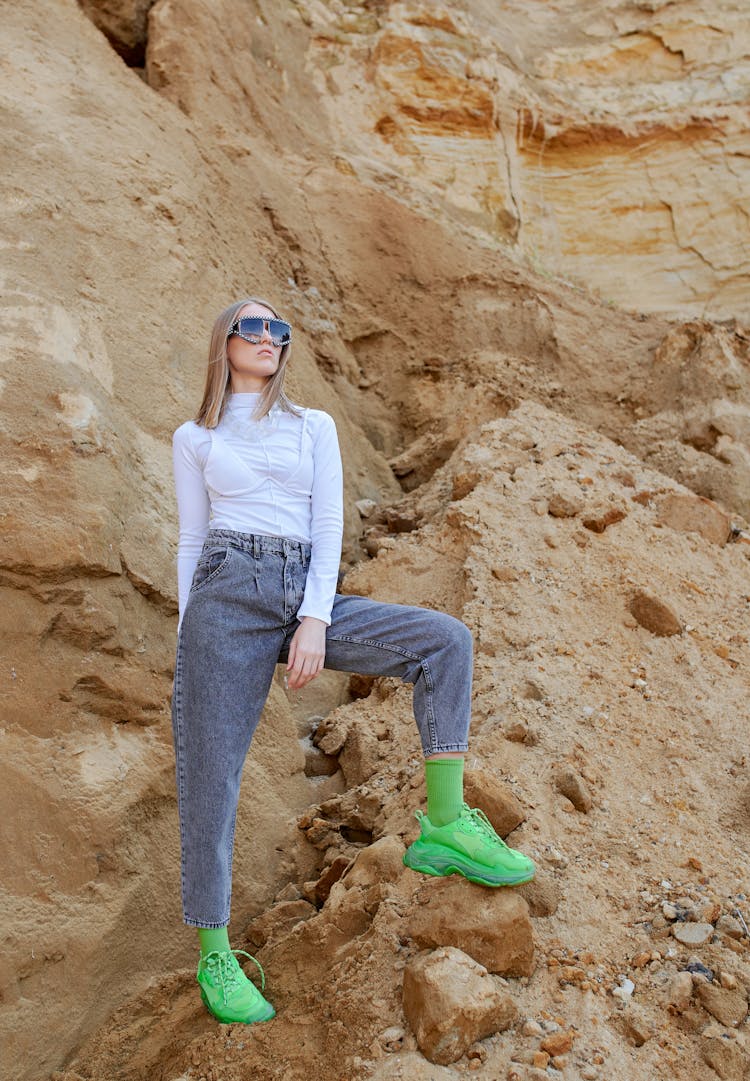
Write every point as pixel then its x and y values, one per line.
pixel 470 847
pixel 227 992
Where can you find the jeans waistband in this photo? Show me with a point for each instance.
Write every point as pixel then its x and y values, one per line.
pixel 258 542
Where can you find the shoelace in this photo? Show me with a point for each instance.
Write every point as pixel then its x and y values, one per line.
pixel 225 968
pixel 482 824
pixel 479 820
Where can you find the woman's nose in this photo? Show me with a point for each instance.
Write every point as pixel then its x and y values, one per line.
pixel 266 335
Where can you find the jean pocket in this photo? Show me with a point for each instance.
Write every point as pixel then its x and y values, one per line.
pixel 209 566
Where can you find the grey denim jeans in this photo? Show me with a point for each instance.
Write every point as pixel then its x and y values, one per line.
pixel 236 627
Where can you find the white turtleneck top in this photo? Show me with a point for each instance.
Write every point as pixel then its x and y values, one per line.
pixel 280 476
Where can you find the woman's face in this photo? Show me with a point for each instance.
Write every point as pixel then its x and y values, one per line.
pixel 250 365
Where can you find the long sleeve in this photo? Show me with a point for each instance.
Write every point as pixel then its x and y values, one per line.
pixel 327 523
pixel 193 507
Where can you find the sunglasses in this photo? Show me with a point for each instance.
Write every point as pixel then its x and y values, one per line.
pixel 250 328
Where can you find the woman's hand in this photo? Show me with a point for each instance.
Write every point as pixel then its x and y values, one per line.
pixel 307 652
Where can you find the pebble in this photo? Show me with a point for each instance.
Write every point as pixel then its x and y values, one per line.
pixel 728 925
pixel 532 1028
pixel 625 990
pixel 589 1073
pixel 554 857
pixel 570 783
pixel 681 990
pixel 692 934
pixel 726 979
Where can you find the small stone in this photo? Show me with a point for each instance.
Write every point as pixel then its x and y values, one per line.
pixel 365 507
pixel 571 785
pixel 381 861
pixel 625 990
pixel 565 500
pixel 637 1024
pixel 669 911
pixel 532 1028
pixel 724 1056
pixel 701 971
pixel 540 1060
pixel 726 979
pixel 729 1007
pixel 392 1038
pixel 599 517
pixel 589 1073
pixel 477 1052
pixel 332 873
pixel 543 895
pixel 680 991
pixel 641 959
pixel 695 514
pixel 728 925
pixel 555 858
pixel 483 789
pixel 654 614
pixel 559 1062
pixel 558 1043
pixel 692 934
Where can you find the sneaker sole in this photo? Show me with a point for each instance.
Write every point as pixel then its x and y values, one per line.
pixel 237 1020
pixel 453 865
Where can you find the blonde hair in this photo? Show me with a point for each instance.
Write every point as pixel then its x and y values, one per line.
pixel 217 388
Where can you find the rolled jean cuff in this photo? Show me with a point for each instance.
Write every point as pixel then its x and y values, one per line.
pixel 448 748
pixel 208 924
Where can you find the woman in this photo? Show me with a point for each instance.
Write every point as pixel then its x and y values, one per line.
pixel 259 493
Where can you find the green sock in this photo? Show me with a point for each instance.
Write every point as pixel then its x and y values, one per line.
pixel 213 938
pixel 445 789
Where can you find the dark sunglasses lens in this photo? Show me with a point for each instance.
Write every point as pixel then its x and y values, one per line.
pixel 280 331
pixel 252 327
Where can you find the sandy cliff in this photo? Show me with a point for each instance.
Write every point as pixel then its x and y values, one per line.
pixel 412 185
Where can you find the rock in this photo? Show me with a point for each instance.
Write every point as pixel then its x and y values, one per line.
pixel 450 1002
pixel 379 862
pixel 360 754
pixel 392 1038
pixel 624 990
pixel 728 925
pixel 278 921
pixel 692 934
pixel 543 895
pixel 365 507
pixel 124 23
pixel 727 1005
pixel 726 979
pixel 570 783
pixel 565 500
pixel 318 764
pixel 332 874
pixel 557 1043
pixel 492 926
pixel 540 1059
pixel 637 1024
pixel 680 991
pixel 699 972
pixel 725 1057
pixel 600 516
pixel 690 513
pixel 483 789
pixel 654 614
pixel 532 1028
